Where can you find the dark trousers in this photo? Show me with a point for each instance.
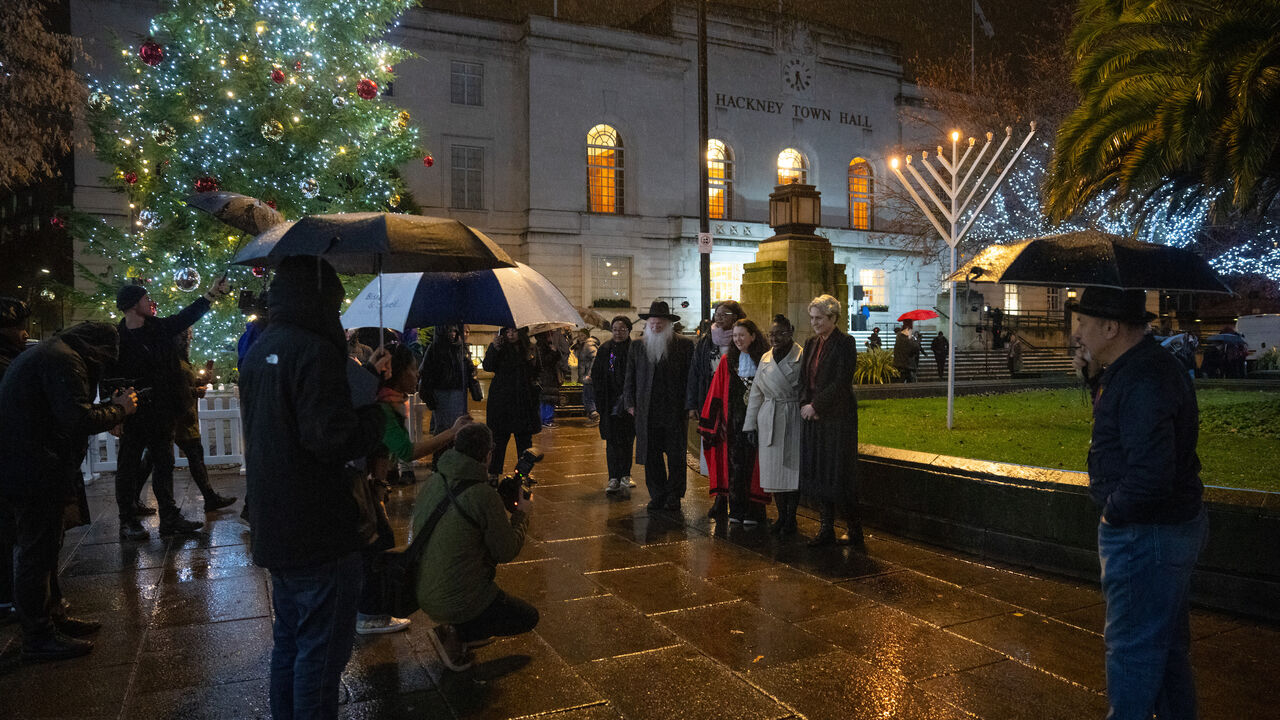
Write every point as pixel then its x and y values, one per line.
pixel 506 615
pixel 154 434
pixel 193 449
pixel 940 359
pixel 37 542
pixel 8 531
pixel 524 441
pixel 665 472
pixel 314 629
pixel 620 447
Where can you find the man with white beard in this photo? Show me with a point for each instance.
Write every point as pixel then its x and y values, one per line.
pixel 654 392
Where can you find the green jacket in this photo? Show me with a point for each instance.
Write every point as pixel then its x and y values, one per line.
pixel 455 575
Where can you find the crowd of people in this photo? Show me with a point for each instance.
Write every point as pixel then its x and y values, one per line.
pixel 324 423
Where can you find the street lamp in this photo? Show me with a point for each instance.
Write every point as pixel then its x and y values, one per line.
pixel 795 209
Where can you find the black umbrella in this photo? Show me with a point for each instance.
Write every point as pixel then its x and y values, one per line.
pixel 376 242
pixel 1089 258
pixel 244 213
pixel 1227 338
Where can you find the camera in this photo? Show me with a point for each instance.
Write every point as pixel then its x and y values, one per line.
pixel 110 386
pixel 519 484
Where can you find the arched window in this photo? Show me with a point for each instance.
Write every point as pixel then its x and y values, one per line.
pixel 860 187
pixel 792 167
pixel 719 180
pixel 604 170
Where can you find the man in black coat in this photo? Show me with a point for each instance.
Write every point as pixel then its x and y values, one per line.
pixel 301 431
pixel 46 417
pixel 13 340
pixel 149 358
pixel 654 393
pixel 940 348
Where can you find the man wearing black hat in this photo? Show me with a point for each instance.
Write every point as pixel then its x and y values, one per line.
pixel 1145 476
pixel 13 339
pixel 654 392
pixel 149 359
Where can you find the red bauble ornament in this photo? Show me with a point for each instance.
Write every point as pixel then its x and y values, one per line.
pixel 151 53
pixel 206 183
pixel 259 271
pixel 297 66
pixel 277 76
pixel 428 160
pixel 271 204
pixel 131 177
pixel 57 222
pixel 367 89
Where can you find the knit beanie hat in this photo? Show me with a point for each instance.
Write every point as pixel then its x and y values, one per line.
pixel 129 295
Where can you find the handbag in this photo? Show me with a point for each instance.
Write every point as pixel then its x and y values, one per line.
pixel 396 570
pixel 476 393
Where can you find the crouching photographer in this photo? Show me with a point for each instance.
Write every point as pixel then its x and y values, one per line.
pixel 474 533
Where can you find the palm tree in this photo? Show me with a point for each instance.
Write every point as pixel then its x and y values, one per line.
pixel 1180 100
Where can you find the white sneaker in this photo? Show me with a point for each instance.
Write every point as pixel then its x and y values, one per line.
pixel 380 624
pixel 612 487
pixel 452 651
pixel 626 480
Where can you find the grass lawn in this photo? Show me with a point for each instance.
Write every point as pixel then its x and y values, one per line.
pixel 1239 431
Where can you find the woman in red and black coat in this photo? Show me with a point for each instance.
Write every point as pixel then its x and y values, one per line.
pixel 829 429
pixel 730 452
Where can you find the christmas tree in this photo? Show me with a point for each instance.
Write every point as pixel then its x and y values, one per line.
pixel 281 100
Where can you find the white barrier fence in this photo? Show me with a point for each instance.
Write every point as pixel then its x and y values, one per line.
pixel 221 432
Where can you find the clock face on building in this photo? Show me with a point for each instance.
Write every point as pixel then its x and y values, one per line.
pixel 797 75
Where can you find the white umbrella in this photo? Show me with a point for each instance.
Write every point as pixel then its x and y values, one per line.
pixel 506 297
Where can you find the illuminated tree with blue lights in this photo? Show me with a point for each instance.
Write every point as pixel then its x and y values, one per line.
pixel 277 99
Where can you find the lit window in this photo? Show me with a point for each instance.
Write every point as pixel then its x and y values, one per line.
pixel 860 194
pixel 1053 299
pixel 874 289
pixel 604 170
pixel 466 173
pixel 726 281
pixel 792 167
pixel 466 83
pixel 1011 298
pixel 719 180
pixel 610 279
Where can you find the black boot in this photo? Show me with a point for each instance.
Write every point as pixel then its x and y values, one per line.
pixel 215 502
pixel 54 646
pixel 779 526
pixel 719 508
pixel 793 502
pixel 75 627
pixel 827 527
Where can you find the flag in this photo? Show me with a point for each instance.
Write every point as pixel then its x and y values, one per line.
pixel 982 20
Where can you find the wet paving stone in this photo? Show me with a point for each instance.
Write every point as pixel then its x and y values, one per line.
pixel 199 655
pixel 211 563
pixel 837 686
pixel 960 571
pixel 210 601
pixel 546 580
pixel 678 682
pixel 897 643
pixel 599 627
pixel 653 528
pixel 68 689
pixel 659 588
pixel 1048 597
pixel 742 636
pixel 790 594
pixel 130 594
pixel 213 702
pixel 1042 643
pixel 933 601
pixel 1012 691
pixel 516 677
pixel 706 558
pixel 113 558
pixel 602 552
pixel 428 704
pixel 384 666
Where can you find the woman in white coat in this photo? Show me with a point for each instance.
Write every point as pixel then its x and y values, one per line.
pixel 773 412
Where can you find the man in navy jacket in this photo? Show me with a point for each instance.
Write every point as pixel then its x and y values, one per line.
pixel 1144 474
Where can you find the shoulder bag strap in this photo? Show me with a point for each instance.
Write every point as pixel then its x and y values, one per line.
pixel 453 497
pixel 419 543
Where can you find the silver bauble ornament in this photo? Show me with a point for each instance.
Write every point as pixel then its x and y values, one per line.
pixel 224 9
pixel 164 135
pixel 186 279
pixel 148 219
pixel 310 188
pixel 99 101
pixel 272 130
pixel 339 101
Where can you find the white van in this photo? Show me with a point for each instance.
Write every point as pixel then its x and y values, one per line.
pixel 1262 332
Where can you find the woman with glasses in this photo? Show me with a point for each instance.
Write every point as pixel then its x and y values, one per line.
pixel 773 414
pixel 617 426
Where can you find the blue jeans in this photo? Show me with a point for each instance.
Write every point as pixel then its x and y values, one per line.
pixel 547 410
pixel 588 399
pixel 1146 580
pixel 315 627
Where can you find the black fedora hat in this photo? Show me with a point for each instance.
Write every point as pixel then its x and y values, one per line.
pixel 1113 304
pixel 659 309
pixel 13 312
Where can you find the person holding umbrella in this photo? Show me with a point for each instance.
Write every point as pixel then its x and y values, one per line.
pixel 1144 474
pixel 617 427
pixel 906 352
pixel 513 394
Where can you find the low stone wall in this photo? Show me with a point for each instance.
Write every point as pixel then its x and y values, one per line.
pixel 1044 518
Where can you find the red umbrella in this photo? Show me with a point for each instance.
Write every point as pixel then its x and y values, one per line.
pixel 918 315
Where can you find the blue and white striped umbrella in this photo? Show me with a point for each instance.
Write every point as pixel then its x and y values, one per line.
pixel 516 297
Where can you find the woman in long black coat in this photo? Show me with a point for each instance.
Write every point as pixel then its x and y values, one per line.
pixel 829 427
pixel 513 394
pixel 617 426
